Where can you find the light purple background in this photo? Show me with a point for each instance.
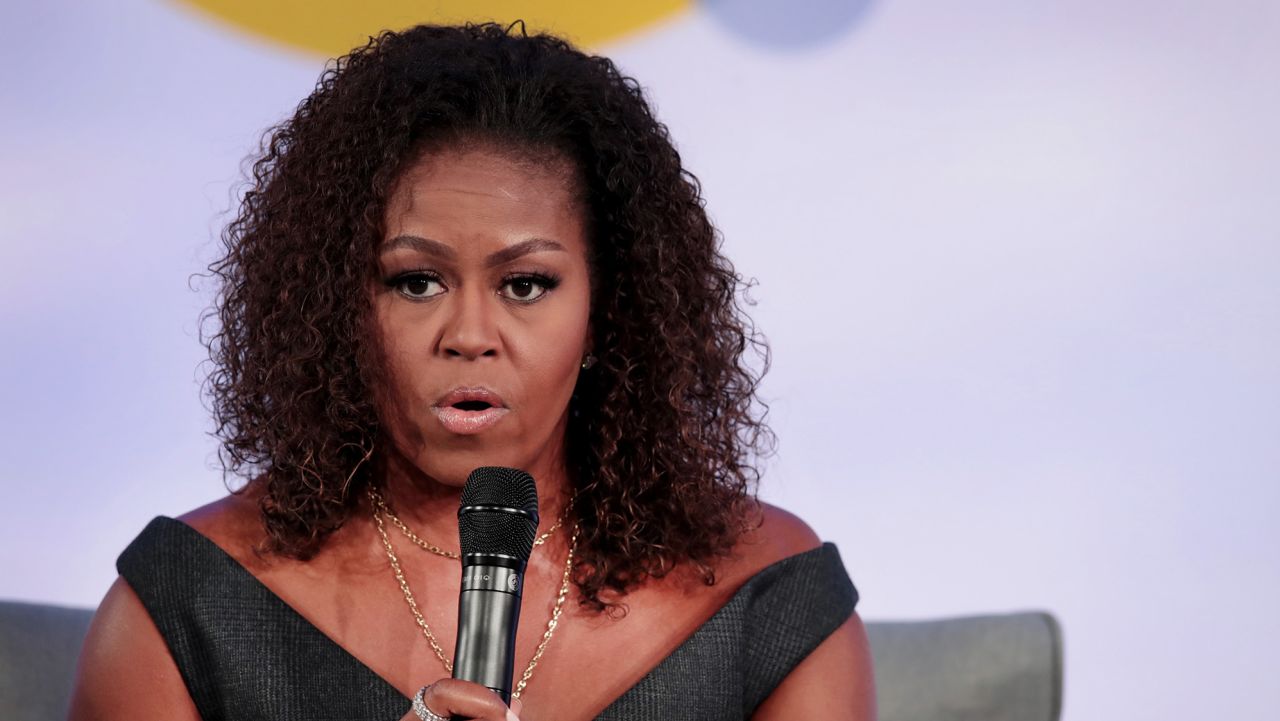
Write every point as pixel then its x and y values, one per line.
pixel 1019 264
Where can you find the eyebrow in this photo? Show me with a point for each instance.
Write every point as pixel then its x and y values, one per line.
pixel 422 245
pixel 500 257
pixel 521 249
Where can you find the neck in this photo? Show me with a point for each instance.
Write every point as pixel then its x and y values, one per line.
pixel 430 506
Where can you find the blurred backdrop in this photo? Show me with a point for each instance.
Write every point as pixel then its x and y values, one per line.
pixel 1019 264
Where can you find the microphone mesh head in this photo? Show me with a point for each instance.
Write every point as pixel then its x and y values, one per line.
pixel 508 533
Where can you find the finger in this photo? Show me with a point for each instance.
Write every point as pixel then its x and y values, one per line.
pixel 516 706
pixel 452 697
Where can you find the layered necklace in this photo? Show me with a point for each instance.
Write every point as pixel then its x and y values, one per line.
pixel 382 513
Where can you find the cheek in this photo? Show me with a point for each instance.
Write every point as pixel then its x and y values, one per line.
pixel 553 351
pixel 396 347
pixel 558 365
pixel 398 384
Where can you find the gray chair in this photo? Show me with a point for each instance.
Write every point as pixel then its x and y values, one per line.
pixel 38 650
pixel 982 668
pixel 976 668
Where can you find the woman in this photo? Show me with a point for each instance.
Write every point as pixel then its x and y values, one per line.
pixel 475 248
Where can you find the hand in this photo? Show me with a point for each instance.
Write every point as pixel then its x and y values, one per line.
pixel 451 697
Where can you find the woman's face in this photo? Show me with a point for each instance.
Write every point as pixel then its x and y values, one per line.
pixel 482 306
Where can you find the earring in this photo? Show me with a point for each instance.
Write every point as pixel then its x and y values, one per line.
pixel 589 361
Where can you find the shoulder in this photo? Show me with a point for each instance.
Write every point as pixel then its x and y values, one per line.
pixel 233 522
pixel 150 684
pixel 125 669
pixel 784 532
pixel 819 657
pixel 783 565
pixel 778 535
pixel 835 681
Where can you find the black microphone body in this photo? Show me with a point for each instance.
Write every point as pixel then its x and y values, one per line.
pixel 488 613
pixel 497 522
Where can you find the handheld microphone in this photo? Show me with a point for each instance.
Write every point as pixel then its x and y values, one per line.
pixel 497 522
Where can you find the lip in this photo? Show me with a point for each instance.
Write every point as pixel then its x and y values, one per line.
pixel 469 422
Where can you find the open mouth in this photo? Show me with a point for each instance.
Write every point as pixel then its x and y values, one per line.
pixel 466 411
pixel 472 405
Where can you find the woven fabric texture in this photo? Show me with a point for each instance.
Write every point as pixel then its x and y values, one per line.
pixel 246 655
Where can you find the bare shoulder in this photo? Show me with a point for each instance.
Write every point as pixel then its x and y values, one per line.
pixel 125 669
pixel 785 532
pixel 232 514
pixel 232 522
pixel 780 534
pixel 835 680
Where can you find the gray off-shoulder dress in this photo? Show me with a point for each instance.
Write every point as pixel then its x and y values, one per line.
pixel 246 655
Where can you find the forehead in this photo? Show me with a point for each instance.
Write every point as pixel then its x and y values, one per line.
pixel 483 197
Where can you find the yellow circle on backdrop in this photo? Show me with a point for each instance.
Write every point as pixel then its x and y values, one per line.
pixel 334 27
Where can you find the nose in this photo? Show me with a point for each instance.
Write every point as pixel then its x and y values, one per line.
pixel 470 330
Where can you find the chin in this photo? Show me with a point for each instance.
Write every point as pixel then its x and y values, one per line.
pixel 451 467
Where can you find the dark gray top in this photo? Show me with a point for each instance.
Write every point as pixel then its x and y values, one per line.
pixel 245 654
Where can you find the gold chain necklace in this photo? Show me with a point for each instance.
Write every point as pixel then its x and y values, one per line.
pixel 380 509
pixel 430 547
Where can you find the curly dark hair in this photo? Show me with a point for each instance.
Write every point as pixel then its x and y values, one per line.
pixel 667 427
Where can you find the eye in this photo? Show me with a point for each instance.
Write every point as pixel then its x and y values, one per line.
pixel 417 286
pixel 526 288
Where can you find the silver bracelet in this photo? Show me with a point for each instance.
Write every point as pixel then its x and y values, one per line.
pixel 420 707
